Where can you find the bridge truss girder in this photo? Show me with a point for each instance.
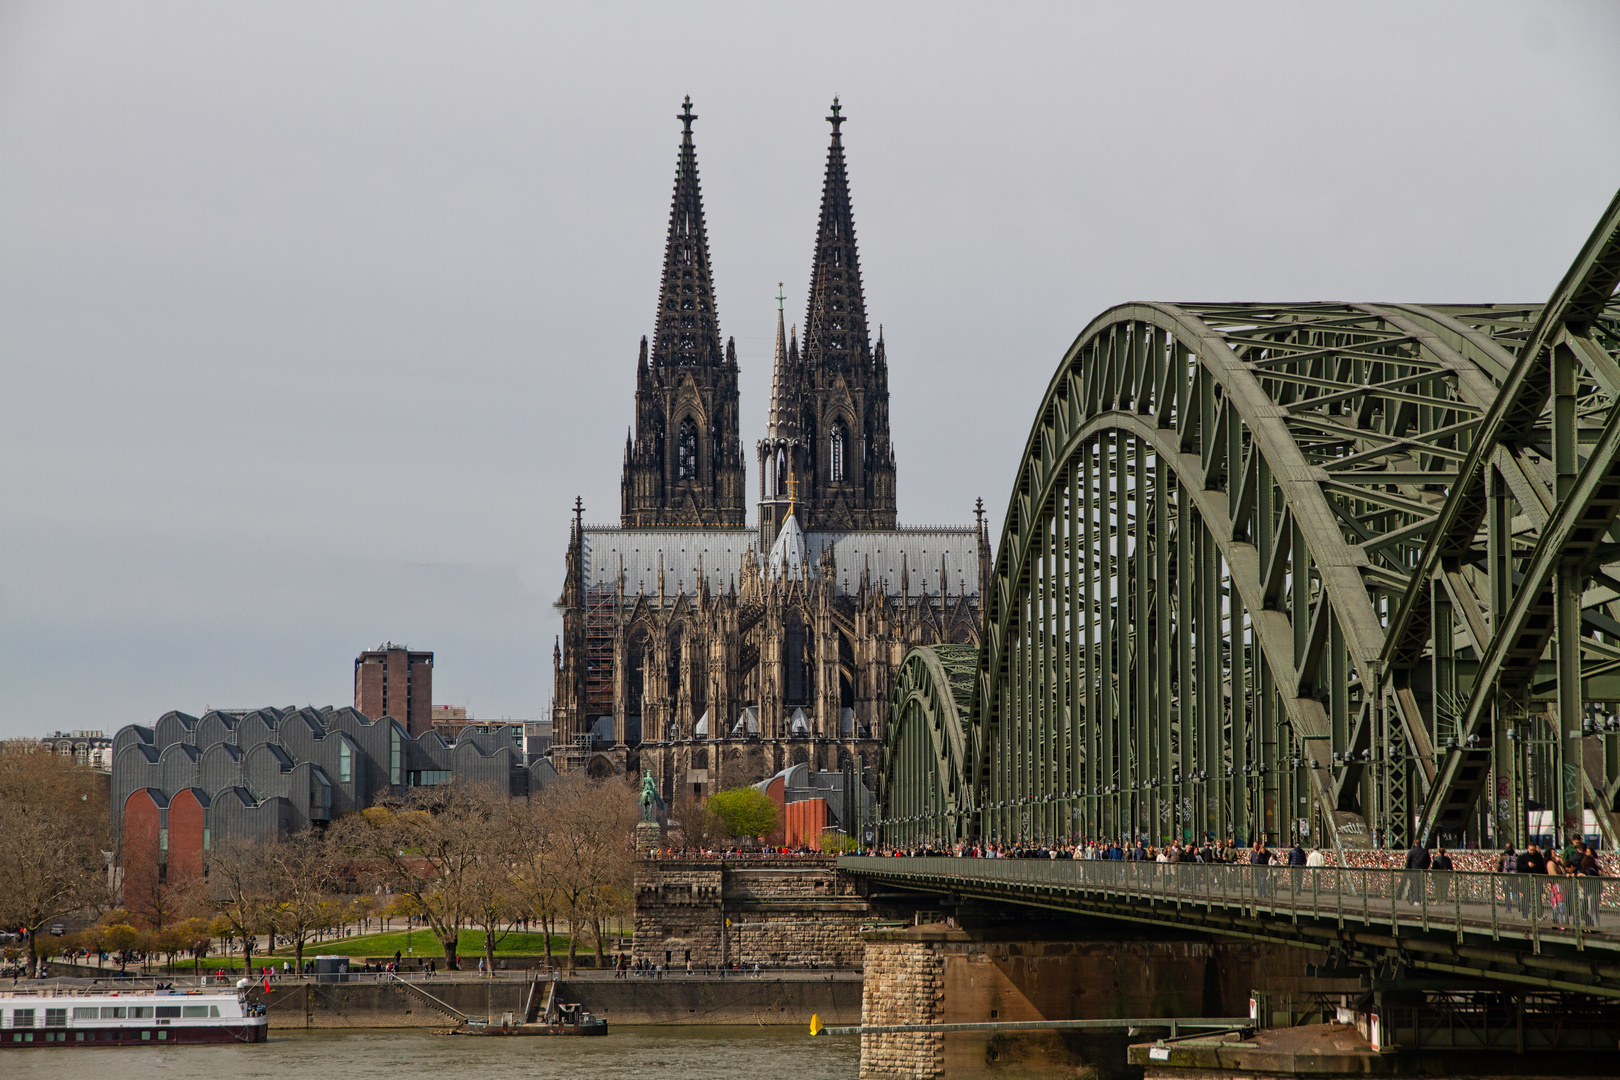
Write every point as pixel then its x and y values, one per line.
pixel 1342 564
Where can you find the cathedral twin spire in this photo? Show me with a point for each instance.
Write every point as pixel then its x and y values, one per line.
pixel 688 326
pixel 827 429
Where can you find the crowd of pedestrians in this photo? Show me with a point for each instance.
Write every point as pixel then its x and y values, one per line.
pixel 1564 885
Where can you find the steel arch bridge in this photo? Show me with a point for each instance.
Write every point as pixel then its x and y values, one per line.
pixel 1351 568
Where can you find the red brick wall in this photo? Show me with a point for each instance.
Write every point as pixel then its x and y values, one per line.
pixel 186 822
pixel 805 821
pixel 421 697
pixel 396 683
pixel 368 689
pixel 141 817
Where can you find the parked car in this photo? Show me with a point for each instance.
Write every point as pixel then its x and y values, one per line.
pixel 57 929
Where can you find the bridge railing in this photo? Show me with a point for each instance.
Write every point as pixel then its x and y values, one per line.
pixel 1520 905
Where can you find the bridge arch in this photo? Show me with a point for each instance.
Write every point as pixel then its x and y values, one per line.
pixel 927 781
pixel 1336 567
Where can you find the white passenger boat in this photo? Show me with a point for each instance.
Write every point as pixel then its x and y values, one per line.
pixel 97 1016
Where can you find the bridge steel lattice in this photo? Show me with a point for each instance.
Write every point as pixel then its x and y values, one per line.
pixel 1345 568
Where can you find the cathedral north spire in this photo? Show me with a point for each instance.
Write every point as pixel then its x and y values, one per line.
pixel 685 467
pixel 688 330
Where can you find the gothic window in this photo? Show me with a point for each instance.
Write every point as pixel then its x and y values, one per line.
pixel 674 671
pixel 837 456
pixel 781 472
pixel 796 660
pixel 686 461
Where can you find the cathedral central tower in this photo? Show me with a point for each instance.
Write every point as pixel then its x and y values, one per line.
pixel 683 466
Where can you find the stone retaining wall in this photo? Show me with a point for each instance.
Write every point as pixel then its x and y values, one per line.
pixel 775 913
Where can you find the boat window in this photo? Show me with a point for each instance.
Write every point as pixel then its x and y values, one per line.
pixel 86 1012
pixel 213 1010
pixel 112 1012
pixel 139 1011
pixel 22 1018
pixel 56 1018
pixel 170 1011
pixel 194 1010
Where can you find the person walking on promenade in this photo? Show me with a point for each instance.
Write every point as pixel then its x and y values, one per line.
pixel 1533 864
pixel 1588 882
pixel 1442 882
pixel 1417 861
pixel 1296 863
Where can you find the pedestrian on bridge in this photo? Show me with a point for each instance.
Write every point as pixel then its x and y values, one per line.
pixel 1417 861
pixel 1442 881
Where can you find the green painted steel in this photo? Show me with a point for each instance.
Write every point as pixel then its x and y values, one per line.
pixel 927 779
pixel 1347 571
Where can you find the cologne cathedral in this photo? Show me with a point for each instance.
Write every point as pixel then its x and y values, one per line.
pixel 714 654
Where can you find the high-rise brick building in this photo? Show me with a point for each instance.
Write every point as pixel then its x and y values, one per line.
pixel 391 680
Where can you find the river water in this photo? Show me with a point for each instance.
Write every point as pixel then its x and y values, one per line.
pixel 630 1053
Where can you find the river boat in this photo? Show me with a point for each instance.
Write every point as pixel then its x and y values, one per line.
pixel 551 1018
pixel 564 1019
pixel 102 1017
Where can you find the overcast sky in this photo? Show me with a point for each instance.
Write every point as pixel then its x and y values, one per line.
pixel 314 318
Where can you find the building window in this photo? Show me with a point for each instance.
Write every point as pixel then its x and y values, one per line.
pixel 396 764
pixel 429 777
pixel 838 453
pixel 207 838
pixel 686 463
pixel 345 763
pixel 163 839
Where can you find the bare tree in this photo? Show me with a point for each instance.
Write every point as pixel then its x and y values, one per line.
pixel 240 877
pixel 591 833
pixel 300 880
pixel 425 848
pixel 53 827
pixel 493 889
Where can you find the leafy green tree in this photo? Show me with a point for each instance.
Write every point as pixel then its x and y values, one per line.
pixel 744 811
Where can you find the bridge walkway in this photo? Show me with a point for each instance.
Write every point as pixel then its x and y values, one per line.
pixel 1561 933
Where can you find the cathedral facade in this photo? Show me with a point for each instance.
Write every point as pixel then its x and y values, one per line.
pixel 715 654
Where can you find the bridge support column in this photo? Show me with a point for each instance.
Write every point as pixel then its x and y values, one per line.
pixel 904 983
pixel 941 973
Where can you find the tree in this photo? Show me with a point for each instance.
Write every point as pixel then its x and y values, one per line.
pixel 696 823
pixel 195 940
pixel 493 891
pixel 299 878
pixel 424 847
pixel 590 826
pixel 744 811
pixel 53 827
pixel 240 875
pixel 120 938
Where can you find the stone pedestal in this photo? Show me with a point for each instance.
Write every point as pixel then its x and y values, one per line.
pixel 649 838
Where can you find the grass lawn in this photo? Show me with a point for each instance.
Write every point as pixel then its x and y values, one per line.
pixel 424 945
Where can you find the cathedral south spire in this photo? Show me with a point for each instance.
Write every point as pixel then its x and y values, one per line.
pixel 835 334
pixel 837 450
pixel 685 468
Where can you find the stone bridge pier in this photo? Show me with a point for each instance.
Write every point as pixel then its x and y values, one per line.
pixel 954 972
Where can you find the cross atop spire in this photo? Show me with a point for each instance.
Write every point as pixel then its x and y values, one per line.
pixel 688 326
pixel 835 119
